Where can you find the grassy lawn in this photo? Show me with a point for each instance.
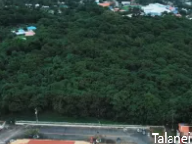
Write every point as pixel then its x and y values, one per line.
pixel 171 133
pixel 54 117
pixel 158 130
pixel 161 132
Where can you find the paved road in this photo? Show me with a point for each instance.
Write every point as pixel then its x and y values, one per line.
pixel 7 134
pixel 72 133
pixel 83 125
pixel 79 133
pixel 2 142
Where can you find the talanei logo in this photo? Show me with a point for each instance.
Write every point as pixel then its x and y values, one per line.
pixel 170 139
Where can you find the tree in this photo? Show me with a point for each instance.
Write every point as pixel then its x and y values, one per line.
pixel 90 62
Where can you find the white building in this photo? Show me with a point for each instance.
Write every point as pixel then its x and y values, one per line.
pixel 97 1
pixel 130 15
pixel 59 11
pixel 155 9
pixel 125 2
pixel 188 3
pixel 28 5
pixel 37 5
pixel 116 3
pixel 62 3
pixel 45 7
pixel 51 11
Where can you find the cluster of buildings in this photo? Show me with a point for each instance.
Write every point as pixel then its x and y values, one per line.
pixel 116 6
pixel 153 9
pixel 58 4
pixel 47 7
pixel 23 33
pixel 157 9
pixel 30 5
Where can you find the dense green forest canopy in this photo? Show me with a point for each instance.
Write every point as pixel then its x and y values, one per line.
pixel 91 62
pixel 48 2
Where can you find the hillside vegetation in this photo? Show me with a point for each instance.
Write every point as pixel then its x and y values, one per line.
pixel 91 62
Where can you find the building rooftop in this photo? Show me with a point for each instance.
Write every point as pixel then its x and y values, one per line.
pixel 105 4
pixel 31 28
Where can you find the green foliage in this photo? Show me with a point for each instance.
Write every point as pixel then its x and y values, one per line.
pixel 32 133
pixel 91 62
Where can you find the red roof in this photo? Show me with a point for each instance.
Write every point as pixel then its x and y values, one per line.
pixel 183 128
pixel 105 4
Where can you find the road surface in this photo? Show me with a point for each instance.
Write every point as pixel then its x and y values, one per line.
pixel 9 133
pixel 71 133
pixel 78 133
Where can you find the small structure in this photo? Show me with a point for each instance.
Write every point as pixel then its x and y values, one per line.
pixel 111 8
pixel 30 33
pixel 2 124
pixel 173 9
pixel 178 15
pixel 37 5
pixel 60 3
pixel 130 15
pixel 156 9
pixel 31 28
pixel 95 139
pixel 116 9
pixel 184 130
pixel 105 4
pixel 125 2
pixel 97 1
pixel 122 10
pixel 63 6
pixel 45 7
pixel 20 32
pixel 59 11
pixel 51 11
pixel 188 3
pixel 13 31
pixel 184 9
pixel 116 3
pixel 28 5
